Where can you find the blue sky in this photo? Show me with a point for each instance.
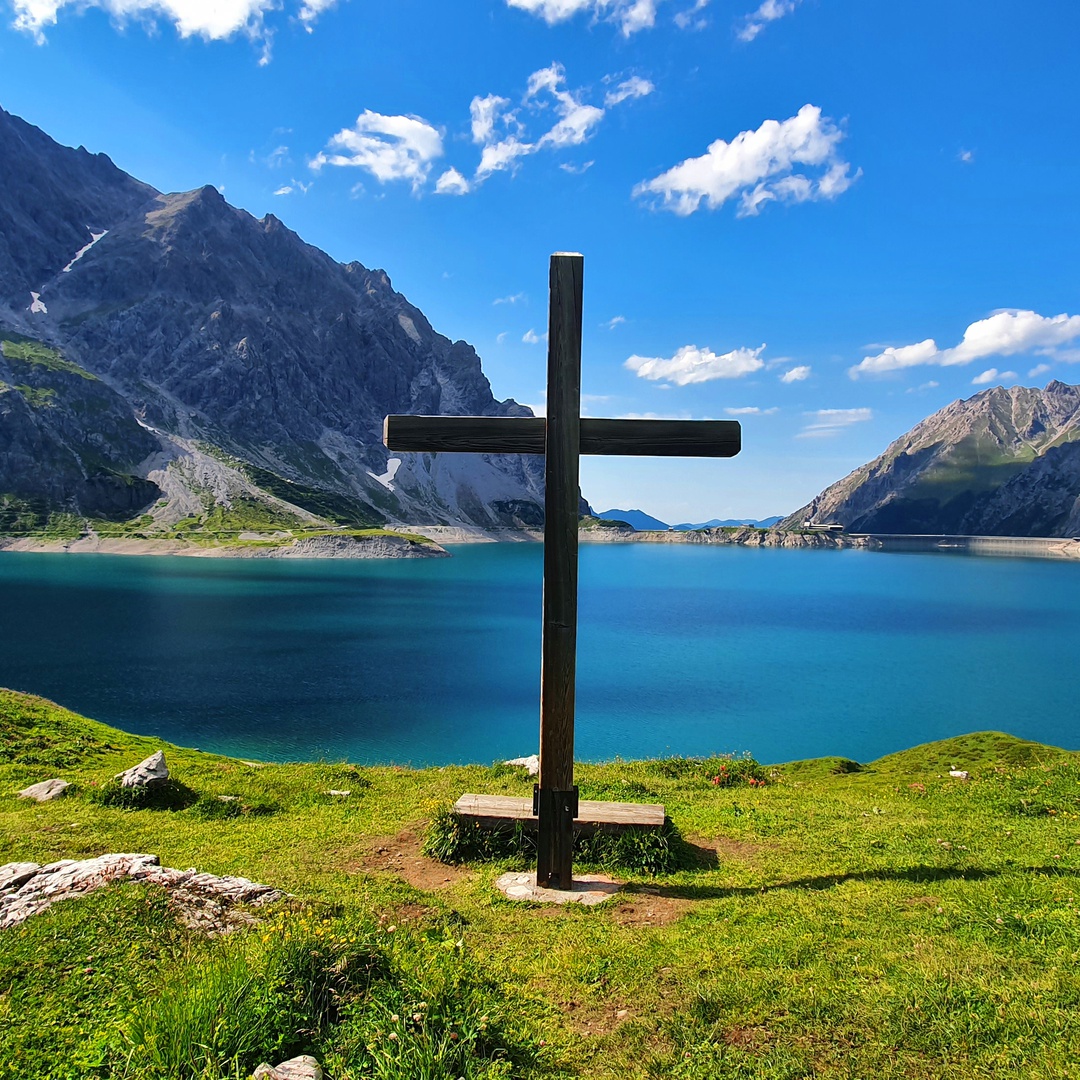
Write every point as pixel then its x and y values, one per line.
pixel 828 218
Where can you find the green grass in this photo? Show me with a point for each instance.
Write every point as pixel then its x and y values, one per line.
pixel 16 347
pixel 840 920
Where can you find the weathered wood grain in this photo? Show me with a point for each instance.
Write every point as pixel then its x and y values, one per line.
pixel 558 661
pixel 527 435
pixel 499 811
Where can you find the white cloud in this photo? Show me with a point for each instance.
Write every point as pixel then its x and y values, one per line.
pixel 312 9
pixel 758 167
pixel 751 410
pixel 209 19
pixel 576 170
pixel 966 156
pixel 500 338
pixel 484 112
pixel 933 384
pixel 452 183
pixel 634 87
pixel 828 422
pixel 770 11
pixel 1038 369
pixel 531 337
pixel 1004 333
pixel 693 365
pixel 631 15
pixel 517 298
pixel 618 320
pixel 992 375
pixel 502 133
pixel 690 19
pixel 388 147
pixel 796 374
pixel 285 189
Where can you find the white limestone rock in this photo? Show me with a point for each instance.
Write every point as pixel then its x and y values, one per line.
pixel 205 901
pixel 304 1067
pixel 531 763
pixel 151 771
pixel 45 791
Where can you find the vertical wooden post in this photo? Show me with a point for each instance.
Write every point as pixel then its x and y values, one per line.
pixel 556 794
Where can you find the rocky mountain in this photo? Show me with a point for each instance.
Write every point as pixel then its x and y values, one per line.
pixel 1005 462
pixel 173 350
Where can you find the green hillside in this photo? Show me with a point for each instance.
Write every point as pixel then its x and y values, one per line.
pixel 838 920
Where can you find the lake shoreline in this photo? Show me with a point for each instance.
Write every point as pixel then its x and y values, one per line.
pixel 384 547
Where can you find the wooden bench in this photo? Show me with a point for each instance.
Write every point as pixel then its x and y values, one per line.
pixel 503 811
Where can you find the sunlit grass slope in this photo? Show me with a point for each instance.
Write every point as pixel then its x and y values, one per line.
pixel 842 920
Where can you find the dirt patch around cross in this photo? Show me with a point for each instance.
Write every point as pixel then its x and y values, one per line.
pixel 647 908
pixel 400 855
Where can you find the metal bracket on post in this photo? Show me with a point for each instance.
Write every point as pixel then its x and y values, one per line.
pixel 536 800
pixel 557 810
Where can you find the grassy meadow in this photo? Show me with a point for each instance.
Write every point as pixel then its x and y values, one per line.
pixel 838 920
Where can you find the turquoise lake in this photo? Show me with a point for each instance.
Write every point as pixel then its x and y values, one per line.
pixel 681 650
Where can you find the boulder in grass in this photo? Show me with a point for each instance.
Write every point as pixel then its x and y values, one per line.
pixel 151 771
pixel 304 1067
pixel 531 764
pixel 46 790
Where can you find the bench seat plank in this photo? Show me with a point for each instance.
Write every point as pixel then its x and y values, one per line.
pixel 495 811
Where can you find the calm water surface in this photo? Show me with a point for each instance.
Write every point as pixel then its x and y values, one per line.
pixel 681 650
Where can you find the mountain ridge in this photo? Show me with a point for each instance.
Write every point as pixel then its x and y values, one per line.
pixel 209 331
pixel 1002 462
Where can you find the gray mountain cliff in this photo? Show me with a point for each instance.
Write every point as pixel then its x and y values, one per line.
pixel 220 333
pixel 1004 462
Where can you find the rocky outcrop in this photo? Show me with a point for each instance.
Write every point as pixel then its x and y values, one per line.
pixel 203 901
pixel 1000 463
pixel 45 791
pixel 152 770
pixel 230 332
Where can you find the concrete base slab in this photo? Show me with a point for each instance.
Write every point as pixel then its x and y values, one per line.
pixel 588 889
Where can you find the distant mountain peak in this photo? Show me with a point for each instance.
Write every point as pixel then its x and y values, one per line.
pixel 998 463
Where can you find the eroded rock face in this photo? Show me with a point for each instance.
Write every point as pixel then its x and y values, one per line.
pixel 204 901
pixel 152 770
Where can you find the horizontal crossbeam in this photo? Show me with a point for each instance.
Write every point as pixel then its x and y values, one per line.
pixel 526 435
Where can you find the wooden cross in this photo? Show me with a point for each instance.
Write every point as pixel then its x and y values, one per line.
pixel 563 435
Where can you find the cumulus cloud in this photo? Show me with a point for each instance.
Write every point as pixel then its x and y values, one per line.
pixel 191 18
pixel 693 365
pixel 992 375
pixel 770 11
pixel 1037 370
pixel 759 167
pixel 825 423
pixel 452 183
pixel 631 15
pixel 1005 333
pixel 796 374
pixel 388 147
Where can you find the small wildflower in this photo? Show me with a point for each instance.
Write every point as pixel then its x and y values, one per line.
pixel 393 1036
pixel 395 1018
